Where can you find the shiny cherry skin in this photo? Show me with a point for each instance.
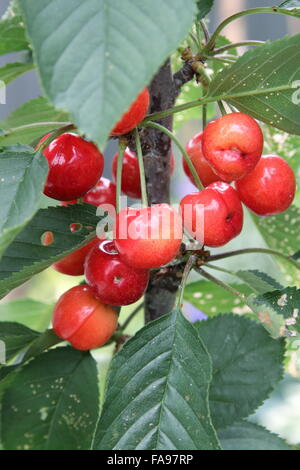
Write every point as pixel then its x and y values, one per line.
pixel 103 193
pixel 73 264
pixel 131 182
pixel 75 166
pixel 112 281
pixel 219 208
pixel 201 165
pixel 82 320
pixel 270 188
pixel 149 237
pixel 232 145
pixel 135 114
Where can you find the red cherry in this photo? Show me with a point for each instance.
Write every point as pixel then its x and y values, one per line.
pixel 75 166
pixel 148 238
pixel 131 181
pixel 112 281
pixel 202 167
pixel 103 193
pixel 134 115
pixel 73 264
pixel 217 213
pixel 232 145
pixel 269 188
pixel 82 320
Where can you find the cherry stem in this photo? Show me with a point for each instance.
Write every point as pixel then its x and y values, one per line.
pixel 170 134
pixel 130 317
pixel 205 30
pixel 218 268
pixel 235 45
pixel 141 168
pixel 38 124
pixel 121 150
pixel 254 250
pixel 211 44
pixel 188 267
pixel 54 135
pixel 204 117
pixel 222 108
pixel 220 283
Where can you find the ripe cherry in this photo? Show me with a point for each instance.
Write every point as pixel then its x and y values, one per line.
pixel 148 238
pixel 216 212
pixel 134 115
pixel 202 167
pixel 232 145
pixel 73 264
pixel 75 166
pixel 131 182
pixel 112 281
pixel 103 193
pixel 82 320
pixel 269 188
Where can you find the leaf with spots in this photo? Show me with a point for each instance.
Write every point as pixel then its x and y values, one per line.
pixel 281 232
pixel 52 404
pixel 27 256
pixel 262 84
pixel 111 40
pixel 16 338
pixel 249 436
pixel 31 121
pixel 247 364
pixel 157 391
pixel 23 175
pixel 212 299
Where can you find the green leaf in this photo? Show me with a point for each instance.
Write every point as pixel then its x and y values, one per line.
pixel 12 35
pixel 31 313
pixel 22 126
pixel 281 232
pixel 110 40
pixel 259 282
pixel 157 391
pixel 249 436
pixel 23 176
pixel 53 403
pixel 10 72
pixel 262 83
pixel 27 256
pixel 203 8
pixel 16 337
pixel 212 299
pixel 293 5
pixel 247 364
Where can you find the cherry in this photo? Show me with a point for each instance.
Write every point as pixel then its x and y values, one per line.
pixel 82 320
pixel 131 182
pixel 148 238
pixel 103 193
pixel 219 208
pixel 134 115
pixel 73 264
pixel 232 145
pixel 269 188
pixel 75 166
pixel 202 167
pixel 112 281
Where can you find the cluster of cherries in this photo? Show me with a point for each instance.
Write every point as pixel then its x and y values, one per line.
pixel 117 272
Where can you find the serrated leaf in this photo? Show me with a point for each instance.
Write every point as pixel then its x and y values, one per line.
pixel 52 403
pixel 212 299
pixel 247 364
pixel 203 8
pixel 27 256
pixel 258 281
pixel 16 337
pixel 281 232
pixel 262 83
pixel 23 176
pixel 29 312
pixel 111 41
pixel 157 391
pixel 12 35
pixel 10 72
pixel 249 436
pixel 38 110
